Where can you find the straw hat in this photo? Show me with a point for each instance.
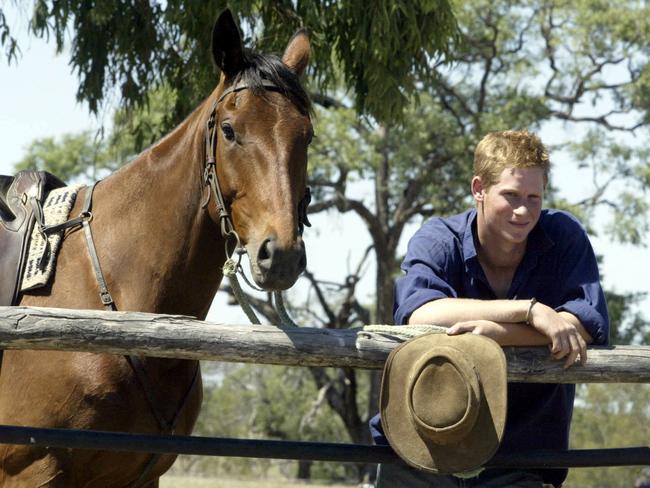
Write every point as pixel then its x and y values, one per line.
pixel 443 401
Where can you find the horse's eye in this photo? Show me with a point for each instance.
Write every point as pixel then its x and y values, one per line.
pixel 310 137
pixel 228 131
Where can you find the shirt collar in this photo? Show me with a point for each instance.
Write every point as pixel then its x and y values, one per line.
pixel 469 247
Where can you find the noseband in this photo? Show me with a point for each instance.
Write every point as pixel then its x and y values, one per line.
pixel 210 174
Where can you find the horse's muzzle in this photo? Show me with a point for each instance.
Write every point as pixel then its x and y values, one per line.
pixel 277 268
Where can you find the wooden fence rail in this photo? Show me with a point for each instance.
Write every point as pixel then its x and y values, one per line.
pixel 175 336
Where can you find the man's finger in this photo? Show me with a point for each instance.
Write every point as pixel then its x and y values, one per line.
pixel 573 355
pixel 560 347
pixel 583 350
pixel 454 329
pixel 556 345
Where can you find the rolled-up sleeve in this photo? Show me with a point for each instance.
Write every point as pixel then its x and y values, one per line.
pixel 427 267
pixel 583 295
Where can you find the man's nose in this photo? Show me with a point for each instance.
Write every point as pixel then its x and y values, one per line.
pixel 521 209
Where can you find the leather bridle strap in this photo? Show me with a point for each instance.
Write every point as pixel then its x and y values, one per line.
pixel 83 219
pixel 210 176
pixel 242 85
pixel 210 170
pixel 86 213
pixel 212 181
pixel 167 427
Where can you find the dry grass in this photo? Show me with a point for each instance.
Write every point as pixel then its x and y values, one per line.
pixel 172 481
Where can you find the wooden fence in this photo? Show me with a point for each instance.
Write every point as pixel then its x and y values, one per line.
pixel 174 336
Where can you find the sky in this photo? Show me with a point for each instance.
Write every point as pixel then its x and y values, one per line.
pixel 37 99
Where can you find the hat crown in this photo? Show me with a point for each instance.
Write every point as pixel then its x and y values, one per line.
pixel 443 401
pixel 443 395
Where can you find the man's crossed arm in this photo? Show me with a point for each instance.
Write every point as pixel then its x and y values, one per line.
pixel 505 322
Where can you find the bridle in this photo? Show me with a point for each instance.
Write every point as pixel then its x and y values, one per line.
pixel 232 266
pixel 211 180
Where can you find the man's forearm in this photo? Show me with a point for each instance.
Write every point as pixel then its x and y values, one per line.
pixel 448 311
pixel 518 334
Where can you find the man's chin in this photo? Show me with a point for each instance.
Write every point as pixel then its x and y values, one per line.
pixel 516 237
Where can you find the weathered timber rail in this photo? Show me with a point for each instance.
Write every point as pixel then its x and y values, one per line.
pixel 175 336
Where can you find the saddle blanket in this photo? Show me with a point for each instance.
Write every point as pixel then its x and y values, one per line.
pixel 56 210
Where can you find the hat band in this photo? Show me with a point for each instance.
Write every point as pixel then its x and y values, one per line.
pixel 459 430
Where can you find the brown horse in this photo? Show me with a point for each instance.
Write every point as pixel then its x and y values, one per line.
pixel 158 236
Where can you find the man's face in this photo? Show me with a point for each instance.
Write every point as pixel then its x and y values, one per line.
pixel 511 207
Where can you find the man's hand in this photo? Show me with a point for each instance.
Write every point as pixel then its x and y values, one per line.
pixel 566 340
pixel 480 327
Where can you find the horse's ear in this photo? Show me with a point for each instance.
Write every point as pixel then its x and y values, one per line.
pixel 296 55
pixel 227 50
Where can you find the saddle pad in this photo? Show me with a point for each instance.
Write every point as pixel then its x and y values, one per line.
pixel 56 209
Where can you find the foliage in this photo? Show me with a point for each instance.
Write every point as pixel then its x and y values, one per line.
pixel 11 49
pixel 136 129
pixel 628 324
pixel 609 415
pixel 74 155
pixel 268 393
pixel 88 156
pixel 379 49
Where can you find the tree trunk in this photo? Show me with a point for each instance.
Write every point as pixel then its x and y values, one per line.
pixel 304 470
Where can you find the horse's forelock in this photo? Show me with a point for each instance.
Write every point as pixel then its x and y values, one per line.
pixel 259 67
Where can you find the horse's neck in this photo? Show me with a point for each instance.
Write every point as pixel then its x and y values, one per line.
pixel 168 252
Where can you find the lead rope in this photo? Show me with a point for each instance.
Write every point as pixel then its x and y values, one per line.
pixel 230 271
pixel 285 319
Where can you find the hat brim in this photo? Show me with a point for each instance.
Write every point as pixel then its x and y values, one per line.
pixel 484 439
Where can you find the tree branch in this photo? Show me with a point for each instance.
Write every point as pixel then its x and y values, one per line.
pixel 601 120
pixel 326 101
pixel 331 318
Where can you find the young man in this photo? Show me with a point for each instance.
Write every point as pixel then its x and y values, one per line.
pixel 518 274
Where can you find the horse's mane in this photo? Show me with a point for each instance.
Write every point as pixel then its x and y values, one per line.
pixel 258 67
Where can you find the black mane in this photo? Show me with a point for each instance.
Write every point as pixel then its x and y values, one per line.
pixel 258 67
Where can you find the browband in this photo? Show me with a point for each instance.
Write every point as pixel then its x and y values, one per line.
pixel 242 85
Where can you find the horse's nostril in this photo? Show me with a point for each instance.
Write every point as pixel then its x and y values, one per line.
pixel 302 263
pixel 266 251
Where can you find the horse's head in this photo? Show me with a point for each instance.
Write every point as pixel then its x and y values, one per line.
pixel 263 128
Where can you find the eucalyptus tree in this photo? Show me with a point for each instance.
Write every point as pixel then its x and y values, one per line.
pixel 378 49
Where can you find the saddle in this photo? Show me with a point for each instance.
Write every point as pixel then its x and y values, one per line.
pixel 21 199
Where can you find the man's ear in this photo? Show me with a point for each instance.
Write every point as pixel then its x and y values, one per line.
pixel 478 190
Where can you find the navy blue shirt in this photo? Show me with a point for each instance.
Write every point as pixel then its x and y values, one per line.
pixel 559 269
